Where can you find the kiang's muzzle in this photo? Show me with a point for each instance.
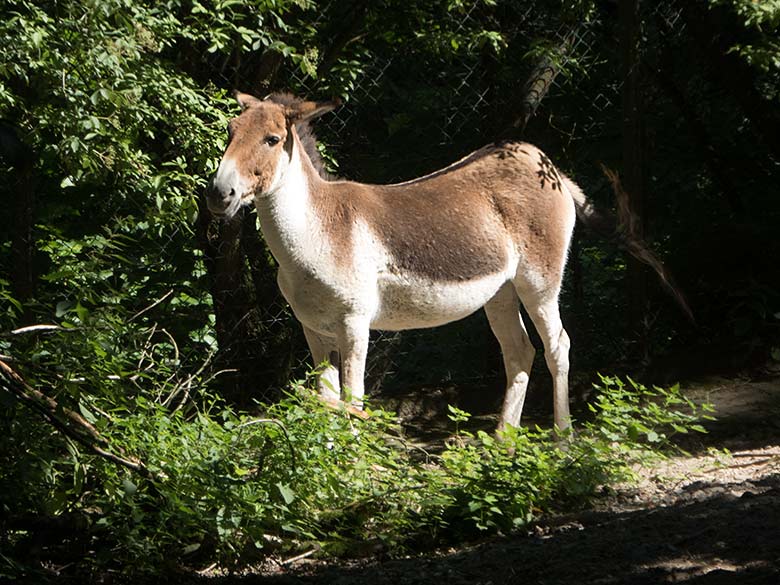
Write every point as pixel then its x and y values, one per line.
pixel 219 201
pixel 227 190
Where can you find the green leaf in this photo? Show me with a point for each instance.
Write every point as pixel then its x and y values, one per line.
pixel 286 492
pixel 86 413
pixel 190 548
pixel 129 487
pixel 82 311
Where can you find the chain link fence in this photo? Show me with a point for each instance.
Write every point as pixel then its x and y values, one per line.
pixel 467 103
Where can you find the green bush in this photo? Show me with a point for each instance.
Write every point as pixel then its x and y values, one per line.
pixel 227 487
pixel 505 482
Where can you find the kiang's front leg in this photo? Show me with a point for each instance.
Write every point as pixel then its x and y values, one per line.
pixel 353 347
pixel 324 353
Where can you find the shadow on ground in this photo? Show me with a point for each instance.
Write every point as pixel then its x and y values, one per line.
pixel 710 531
pixel 748 412
pixel 712 535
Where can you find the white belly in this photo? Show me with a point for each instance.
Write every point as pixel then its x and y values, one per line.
pixel 405 303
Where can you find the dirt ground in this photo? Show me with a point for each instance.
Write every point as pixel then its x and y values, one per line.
pixel 712 518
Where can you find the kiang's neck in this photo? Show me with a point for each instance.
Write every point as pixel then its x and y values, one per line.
pixel 287 213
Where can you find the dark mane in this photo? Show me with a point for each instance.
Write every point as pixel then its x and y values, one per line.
pixel 305 133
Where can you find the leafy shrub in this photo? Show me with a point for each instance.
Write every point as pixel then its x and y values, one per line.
pixel 505 482
pixel 228 487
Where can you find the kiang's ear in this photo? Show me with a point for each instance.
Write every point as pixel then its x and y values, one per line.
pixel 245 100
pixel 304 111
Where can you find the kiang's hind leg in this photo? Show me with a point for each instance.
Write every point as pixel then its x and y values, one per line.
pixel 503 313
pixel 542 307
pixel 325 351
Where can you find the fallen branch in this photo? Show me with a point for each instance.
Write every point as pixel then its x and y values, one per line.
pixel 74 426
pixel 301 556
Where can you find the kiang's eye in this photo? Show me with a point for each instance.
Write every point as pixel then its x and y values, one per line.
pixel 272 140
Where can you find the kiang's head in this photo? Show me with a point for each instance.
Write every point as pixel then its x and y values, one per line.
pixel 259 149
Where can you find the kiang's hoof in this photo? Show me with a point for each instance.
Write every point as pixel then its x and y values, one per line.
pixel 337 404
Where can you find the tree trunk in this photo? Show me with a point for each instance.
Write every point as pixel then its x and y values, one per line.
pixel 220 242
pixel 720 169
pixel 21 182
pixel 632 176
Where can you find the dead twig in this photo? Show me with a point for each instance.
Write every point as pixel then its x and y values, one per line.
pixel 300 557
pixel 207 570
pixel 187 383
pixel 765 460
pixel 35 328
pixel 150 307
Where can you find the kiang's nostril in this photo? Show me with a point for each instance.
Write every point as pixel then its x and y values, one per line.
pixel 220 193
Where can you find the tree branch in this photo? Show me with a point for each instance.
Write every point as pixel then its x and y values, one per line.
pixel 538 84
pixel 74 426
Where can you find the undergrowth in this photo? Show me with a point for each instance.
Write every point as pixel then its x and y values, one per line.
pixel 229 488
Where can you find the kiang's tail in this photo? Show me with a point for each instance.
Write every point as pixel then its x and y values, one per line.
pixel 624 227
